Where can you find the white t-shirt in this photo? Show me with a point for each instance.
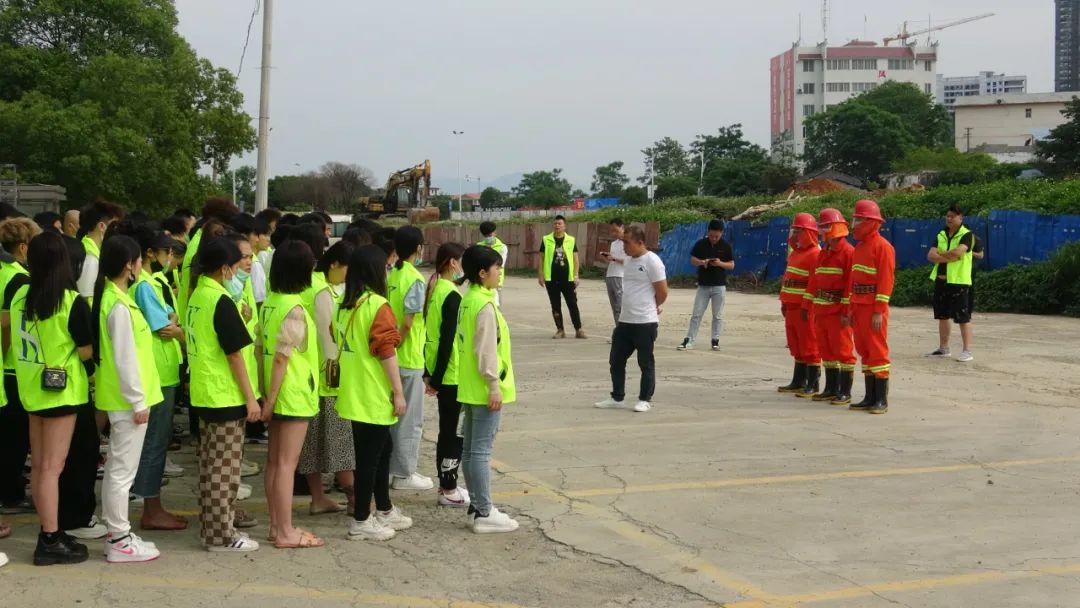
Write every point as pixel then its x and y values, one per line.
pixel 639 295
pixel 86 280
pixel 617 251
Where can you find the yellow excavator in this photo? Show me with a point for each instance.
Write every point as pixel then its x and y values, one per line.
pixel 405 189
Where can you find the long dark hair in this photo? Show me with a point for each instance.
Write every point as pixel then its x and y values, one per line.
pixel 448 252
pixel 339 253
pixel 116 253
pixel 50 275
pixel 407 241
pixel 367 271
pixel 292 268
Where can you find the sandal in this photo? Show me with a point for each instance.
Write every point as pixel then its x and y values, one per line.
pixel 337 508
pixel 307 541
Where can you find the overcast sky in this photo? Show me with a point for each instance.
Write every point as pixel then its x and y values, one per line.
pixel 556 83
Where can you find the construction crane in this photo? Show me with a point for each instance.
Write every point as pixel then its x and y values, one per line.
pixel 905 34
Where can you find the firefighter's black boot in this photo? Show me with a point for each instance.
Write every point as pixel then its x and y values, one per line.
pixel 812 383
pixel 843 389
pixel 868 400
pixel 881 394
pixel 798 379
pixel 832 376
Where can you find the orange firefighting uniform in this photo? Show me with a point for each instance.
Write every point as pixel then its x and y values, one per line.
pixel 873 271
pixel 802 343
pixel 829 292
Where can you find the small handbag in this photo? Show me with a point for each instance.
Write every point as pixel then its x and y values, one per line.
pixel 53 379
pixel 332 374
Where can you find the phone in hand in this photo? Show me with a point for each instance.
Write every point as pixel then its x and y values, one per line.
pixel 605 254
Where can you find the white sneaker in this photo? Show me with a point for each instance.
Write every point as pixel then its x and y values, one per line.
pixel 608 403
pixel 129 548
pixel 242 544
pixel 243 492
pixel 93 530
pixel 369 529
pixel 142 540
pixel 458 497
pixel 249 469
pixel 172 469
pixel 415 481
pixel 642 406
pixel 495 523
pixel 3 559
pixel 966 357
pixel 393 519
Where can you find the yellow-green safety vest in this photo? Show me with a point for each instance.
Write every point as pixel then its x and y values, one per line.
pixel 472 387
pixel 46 343
pixel 7 273
pixel 958 272
pixel 365 394
pixel 184 287
pixel 411 351
pixel 498 247
pixel 168 354
pixel 107 394
pixel 549 254
pixel 297 395
pixel 212 381
pixel 318 283
pixel 250 357
pixel 443 288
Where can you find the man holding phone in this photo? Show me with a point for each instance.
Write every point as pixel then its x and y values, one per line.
pixel 712 256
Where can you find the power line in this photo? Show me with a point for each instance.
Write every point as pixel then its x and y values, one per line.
pixel 247 39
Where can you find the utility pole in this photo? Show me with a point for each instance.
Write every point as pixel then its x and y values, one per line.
pixel 967 131
pixel 652 176
pixel 262 178
pixel 701 178
pixel 459 182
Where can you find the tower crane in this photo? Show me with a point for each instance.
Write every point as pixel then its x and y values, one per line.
pixel 905 34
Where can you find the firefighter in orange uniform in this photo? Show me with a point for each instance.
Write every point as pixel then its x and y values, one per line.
pixel 828 291
pixel 873 270
pixel 797 309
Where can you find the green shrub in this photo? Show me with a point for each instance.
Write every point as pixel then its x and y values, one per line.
pixel 913 288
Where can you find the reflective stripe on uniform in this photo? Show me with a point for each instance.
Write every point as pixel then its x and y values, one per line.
pixel 798 271
pixel 866 269
pixel 830 270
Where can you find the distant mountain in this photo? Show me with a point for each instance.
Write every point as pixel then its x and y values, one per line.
pixel 449 184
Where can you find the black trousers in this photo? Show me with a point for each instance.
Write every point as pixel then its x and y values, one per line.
pixel 14 445
pixel 77 499
pixel 373 445
pixel 567 290
pixel 630 337
pixel 448 447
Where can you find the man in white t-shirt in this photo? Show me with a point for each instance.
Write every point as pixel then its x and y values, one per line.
pixel 645 290
pixel 614 277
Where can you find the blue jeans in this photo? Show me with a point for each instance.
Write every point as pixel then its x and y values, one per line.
pixel 704 296
pixel 481 425
pixel 155 446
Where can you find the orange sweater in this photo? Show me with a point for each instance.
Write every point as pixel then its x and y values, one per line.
pixel 873 271
pixel 797 277
pixel 830 290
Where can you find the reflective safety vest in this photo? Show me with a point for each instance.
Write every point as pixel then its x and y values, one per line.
pixel 184 288
pixel 318 284
pixel 800 269
pixel 46 344
pixel 958 272
pixel 549 254
pixel 443 288
pixel 250 361
pixel 411 351
pixel 108 396
pixel 297 395
pixel 499 246
pixel 7 273
pixel 472 387
pixel 168 353
pixel 212 381
pixel 365 394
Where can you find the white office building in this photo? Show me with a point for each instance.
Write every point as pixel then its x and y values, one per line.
pixel 951 88
pixel 806 80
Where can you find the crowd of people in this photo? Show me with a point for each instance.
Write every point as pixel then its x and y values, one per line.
pixel 110 321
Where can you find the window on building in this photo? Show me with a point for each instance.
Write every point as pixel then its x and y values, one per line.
pixel 926 87
pixel 928 65
pixel 864 64
pixel 1027 113
pixel 808 110
pixel 862 87
pixel 808 65
pixel 838 87
pixel 808 88
pixel 839 64
pixel 901 64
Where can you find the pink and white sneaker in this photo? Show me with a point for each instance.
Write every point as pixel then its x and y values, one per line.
pixel 458 497
pixel 129 549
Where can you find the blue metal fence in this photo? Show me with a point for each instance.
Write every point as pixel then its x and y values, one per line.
pixel 1008 237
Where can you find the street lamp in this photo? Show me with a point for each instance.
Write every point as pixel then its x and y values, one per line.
pixel 458 145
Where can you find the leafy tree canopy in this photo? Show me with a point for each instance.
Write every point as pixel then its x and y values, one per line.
pixel 543 189
pixel 856 138
pixel 609 181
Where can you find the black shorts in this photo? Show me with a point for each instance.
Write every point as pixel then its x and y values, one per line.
pixel 952 302
pixel 58 412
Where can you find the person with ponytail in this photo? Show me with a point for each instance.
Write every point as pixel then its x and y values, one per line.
pixel 223 395
pixel 485 383
pixel 406 294
pixel 153 296
pixel 290 370
pixel 371 394
pixel 53 364
pixel 329 444
pixel 440 368
pixel 127 387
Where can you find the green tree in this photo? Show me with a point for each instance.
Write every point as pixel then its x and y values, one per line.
pixel 609 181
pixel 856 138
pixel 107 100
pixel 678 185
pixel 543 189
pixel 665 158
pixel 736 176
pixel 634 195
pixel 927 123
pixel 1060 152
pixel 728 143
pixel 492 198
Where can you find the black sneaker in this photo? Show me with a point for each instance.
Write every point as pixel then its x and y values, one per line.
pixel 686 345
pixel 62 550
pixel 716 345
